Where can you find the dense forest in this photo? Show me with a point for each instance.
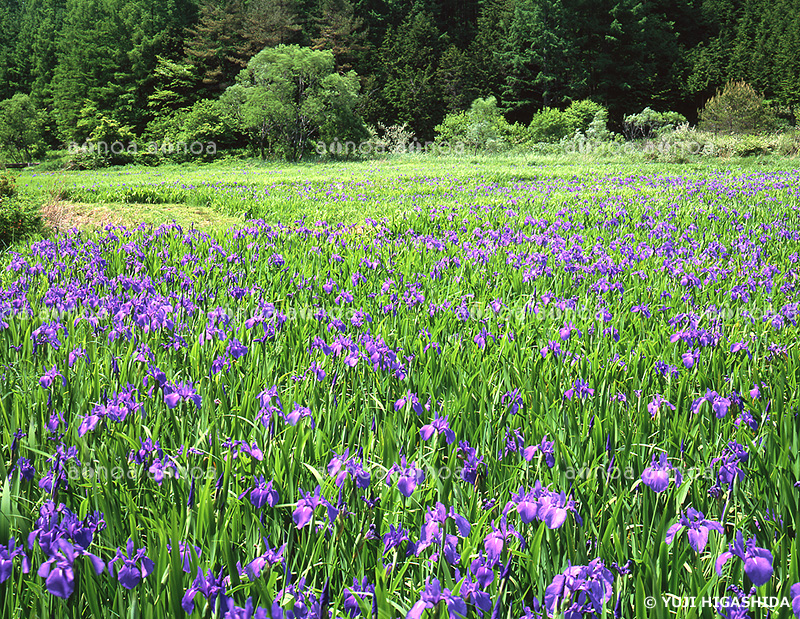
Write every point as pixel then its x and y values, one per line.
pixel 137 63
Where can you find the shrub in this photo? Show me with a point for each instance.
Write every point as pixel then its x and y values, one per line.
pixel 580 114
pixel 598 128
pixel 483 127
pixel 19 217
pixel 750 146
pixel 788 144
pixel 8 187
pixel 21 126
pixel 385 140
pixel 738 108
pixel 649 124
pixel 549 125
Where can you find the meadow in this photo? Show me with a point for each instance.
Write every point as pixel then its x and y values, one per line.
pixel 408 388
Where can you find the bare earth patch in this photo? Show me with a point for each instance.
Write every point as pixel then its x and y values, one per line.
pixel 65 215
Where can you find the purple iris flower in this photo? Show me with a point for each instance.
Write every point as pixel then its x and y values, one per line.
pixel 472 465
pixel 439 424
pixel 540 503
pixel 656 404
pixel 58 571
pixel 657 475
pixel 432 595
pixel 547 449
pixel 698 528
pixel 431 533
pixel 513 400
pixel 394 537
pixel 297 414
pixel 133 567
pixel 690 358
pixel 268 409
pixel 729 463
pixel 719 404
pixel 413 399
pixel 305 507
pixel 362 591
pixel 50 376
pixel 794 593
pixel 269 558
pixel 236 349
pixel 76 354
pixel 495 541
pixel 317 370
pixel 741 347
pixel 7 554
pixel 584 589
pixel 757 561
pixel 175 393
pixel 231 611
pixel 26 470
pixel 208 585
pixel 409 476
pixel 263 494
pixel 580 388
pixel 343 466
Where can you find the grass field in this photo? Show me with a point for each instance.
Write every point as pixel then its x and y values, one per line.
pixel 406 388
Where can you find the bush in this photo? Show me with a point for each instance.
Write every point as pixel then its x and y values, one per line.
pixel 21 128
pixel 482 127
pixel 19 217
pixel 750 146
pixel 550 125
pixel 385 140
pixel 8 187
pixel 738 108
pixel 788 144
pixel 649 124
pixel 598 128
pixel 580 114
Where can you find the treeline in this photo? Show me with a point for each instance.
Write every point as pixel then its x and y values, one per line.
pixel 139 63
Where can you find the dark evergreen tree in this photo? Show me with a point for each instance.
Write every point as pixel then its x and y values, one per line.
pixel 409 59
pixel 455 79
pixel 90 54
pixel 9 31
pixel 270 23
pixel 341 32
pixel 37 49
pixel 540 52
pixel 217 44
pixel 488 71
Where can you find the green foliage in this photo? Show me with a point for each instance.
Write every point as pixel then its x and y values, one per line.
pixel 174 86
pixel 8 186
pixel 141 62
pixel 582 120
pixel 540 56
pixel 750 146
pixel 205 124
pixel 409 61
pixel 598 128
pixel 19 217
pixel 104 141
pixel 20 128
pixel 737 108
pixel 550 125
pixel 650 124
pixel 483 126
pixel 290 95
pixel 580 114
